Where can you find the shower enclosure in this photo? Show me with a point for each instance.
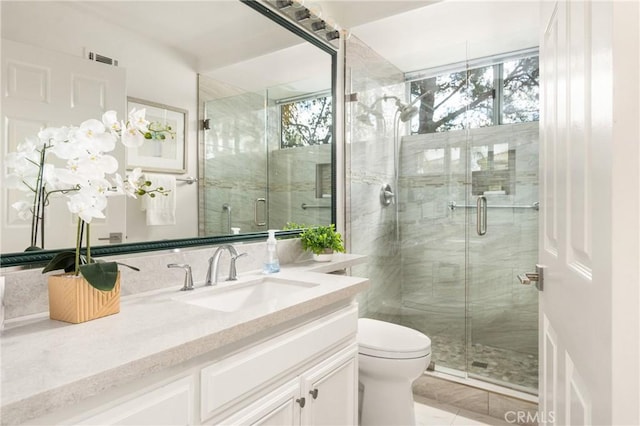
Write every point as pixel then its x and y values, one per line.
pixel 445 254
pixel 252 181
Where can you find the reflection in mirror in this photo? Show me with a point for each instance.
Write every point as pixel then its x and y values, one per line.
pixel 255 70
pixel 261 148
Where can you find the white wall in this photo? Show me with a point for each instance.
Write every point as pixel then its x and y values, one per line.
pixel 154 72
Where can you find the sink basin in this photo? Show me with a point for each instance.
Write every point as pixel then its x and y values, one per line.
pixel 243 295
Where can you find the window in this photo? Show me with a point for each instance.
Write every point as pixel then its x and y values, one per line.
pixel 504 92
pixel 306 122
pixel 520 97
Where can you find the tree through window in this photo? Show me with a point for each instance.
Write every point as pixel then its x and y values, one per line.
pixel 306 122
pixel 501 93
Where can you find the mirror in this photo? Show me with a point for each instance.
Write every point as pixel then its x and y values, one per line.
pixel 194 58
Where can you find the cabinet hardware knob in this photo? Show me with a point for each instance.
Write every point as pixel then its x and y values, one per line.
pixel 314 393
pixel 301 401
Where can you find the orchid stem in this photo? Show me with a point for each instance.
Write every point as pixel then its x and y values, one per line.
pixel 78 244
pixel 88 243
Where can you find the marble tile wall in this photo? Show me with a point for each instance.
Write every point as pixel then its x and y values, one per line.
pixel 371 227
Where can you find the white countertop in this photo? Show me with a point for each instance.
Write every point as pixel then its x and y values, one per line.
pixel 48 365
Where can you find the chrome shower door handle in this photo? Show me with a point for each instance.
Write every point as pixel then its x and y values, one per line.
pixel 227 208
pixel 481 215
pixel 255 211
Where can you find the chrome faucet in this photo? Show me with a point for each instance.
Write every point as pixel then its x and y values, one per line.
pixel 188 277
pixel 212 271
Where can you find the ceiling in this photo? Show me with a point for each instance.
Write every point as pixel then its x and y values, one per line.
pixel 411 34
pixel 209 32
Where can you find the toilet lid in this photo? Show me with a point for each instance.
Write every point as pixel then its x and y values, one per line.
pixel 386 340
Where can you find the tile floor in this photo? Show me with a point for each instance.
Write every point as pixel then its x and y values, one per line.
pixel 432 413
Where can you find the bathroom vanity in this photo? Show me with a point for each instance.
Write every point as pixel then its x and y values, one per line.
pixel 280 349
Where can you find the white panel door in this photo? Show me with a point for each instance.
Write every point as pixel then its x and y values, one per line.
pixel 43 88
pixel 582 157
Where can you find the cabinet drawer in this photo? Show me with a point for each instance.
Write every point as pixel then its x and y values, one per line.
pixel 236 376
pixel 171 404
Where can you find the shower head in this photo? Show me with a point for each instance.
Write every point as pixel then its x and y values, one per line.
pixel 407 112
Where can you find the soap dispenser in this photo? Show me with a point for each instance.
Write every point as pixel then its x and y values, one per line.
pixel 271 263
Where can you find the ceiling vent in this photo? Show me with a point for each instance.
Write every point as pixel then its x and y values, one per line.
pixel 93 56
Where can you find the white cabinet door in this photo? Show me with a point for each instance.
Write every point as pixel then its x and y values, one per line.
pixel 171 404
pixel 280 407
pixel 331 391
pixel 324 395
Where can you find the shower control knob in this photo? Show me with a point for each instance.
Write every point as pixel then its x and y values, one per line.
pixel 386 194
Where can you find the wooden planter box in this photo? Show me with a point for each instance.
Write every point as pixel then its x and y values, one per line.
pixel 72 299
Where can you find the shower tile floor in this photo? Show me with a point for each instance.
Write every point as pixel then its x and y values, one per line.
pixel 505 367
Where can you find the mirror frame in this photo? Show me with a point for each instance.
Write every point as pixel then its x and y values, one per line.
pixel 37 258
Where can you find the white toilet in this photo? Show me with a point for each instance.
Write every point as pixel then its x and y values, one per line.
pixel 390 358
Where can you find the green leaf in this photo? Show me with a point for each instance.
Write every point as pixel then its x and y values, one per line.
pixel 64 260
pixel 101 275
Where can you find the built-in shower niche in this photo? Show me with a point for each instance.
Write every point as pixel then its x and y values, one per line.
pixel 496 174
pixel 323 180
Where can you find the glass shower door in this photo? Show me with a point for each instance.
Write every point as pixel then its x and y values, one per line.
pixel 235 165
pixel 502 223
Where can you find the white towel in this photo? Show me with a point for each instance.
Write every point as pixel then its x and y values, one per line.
pixel 161 209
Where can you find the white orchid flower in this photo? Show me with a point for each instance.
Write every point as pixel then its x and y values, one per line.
pixel 50 177
pixel 137 119
pixel 24 169
pixel 29 146
pixel 136 180
pixel 88 203
pixel 69 148
pixel 110 120
pixel 23 162
pixel 101 187
pixel 130 186
pixel 132 137
pixel 93 137
pixel 53 135
pixel 119 186
pixel 93 164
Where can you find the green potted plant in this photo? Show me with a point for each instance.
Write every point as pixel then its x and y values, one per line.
pixel 322 241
